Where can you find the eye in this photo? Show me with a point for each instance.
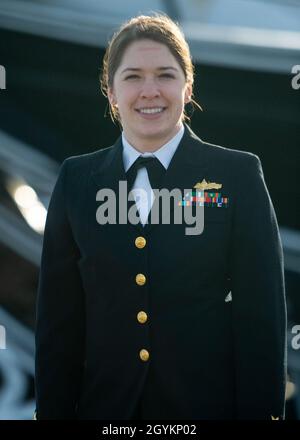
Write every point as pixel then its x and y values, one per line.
pixel 133 76
pixel 166 75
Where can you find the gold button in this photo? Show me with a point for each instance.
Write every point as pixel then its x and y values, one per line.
pixel 140 242
pixel 144 355
pixel 140 279
pixel 142 317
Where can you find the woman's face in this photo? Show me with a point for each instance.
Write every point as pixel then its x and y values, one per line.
pixel 150 90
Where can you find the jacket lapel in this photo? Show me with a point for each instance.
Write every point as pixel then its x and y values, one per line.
pixel 108 173
pixel 188 166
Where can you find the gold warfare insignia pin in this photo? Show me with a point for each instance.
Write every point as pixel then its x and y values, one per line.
pixel 207 185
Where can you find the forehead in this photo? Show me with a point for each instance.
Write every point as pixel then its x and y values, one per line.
pixel 147 52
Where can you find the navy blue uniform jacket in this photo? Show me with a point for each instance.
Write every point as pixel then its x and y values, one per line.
pixel 208 358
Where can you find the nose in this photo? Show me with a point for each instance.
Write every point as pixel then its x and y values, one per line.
pixel 150 89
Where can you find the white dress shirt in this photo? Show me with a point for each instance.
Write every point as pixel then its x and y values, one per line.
pixel 142 191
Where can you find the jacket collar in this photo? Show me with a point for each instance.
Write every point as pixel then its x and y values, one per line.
pixel 188 166
pixel 191 151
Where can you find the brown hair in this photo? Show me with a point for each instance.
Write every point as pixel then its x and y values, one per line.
pixel 159 28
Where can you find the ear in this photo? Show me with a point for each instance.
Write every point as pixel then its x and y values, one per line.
pixel 111 97
pixel 188 93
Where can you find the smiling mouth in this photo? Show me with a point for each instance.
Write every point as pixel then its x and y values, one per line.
pixel 151 111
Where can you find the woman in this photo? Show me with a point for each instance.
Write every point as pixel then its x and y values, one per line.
pixel 145 320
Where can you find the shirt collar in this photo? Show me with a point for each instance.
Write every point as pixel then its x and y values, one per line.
pixel 164 154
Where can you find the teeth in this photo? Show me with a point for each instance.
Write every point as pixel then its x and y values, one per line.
pixel 151 110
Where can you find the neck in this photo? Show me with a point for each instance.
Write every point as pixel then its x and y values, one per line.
pixel 150 144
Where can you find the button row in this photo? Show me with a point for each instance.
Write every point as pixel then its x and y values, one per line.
pixel 140 279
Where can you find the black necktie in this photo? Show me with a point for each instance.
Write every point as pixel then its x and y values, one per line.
pixel 154 168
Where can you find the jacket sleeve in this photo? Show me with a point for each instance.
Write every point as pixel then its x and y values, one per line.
pixel 258 299
pixel 60 314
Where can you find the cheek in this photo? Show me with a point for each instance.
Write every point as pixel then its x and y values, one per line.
pixel 177 99
pixel 175 94
pixel 127 98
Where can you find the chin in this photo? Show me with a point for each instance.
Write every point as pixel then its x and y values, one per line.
pixel 155 135
pixel 154 132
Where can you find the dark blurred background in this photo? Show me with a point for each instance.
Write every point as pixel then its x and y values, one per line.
pixel 51 107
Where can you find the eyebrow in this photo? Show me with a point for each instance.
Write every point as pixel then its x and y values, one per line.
pixel 137 69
